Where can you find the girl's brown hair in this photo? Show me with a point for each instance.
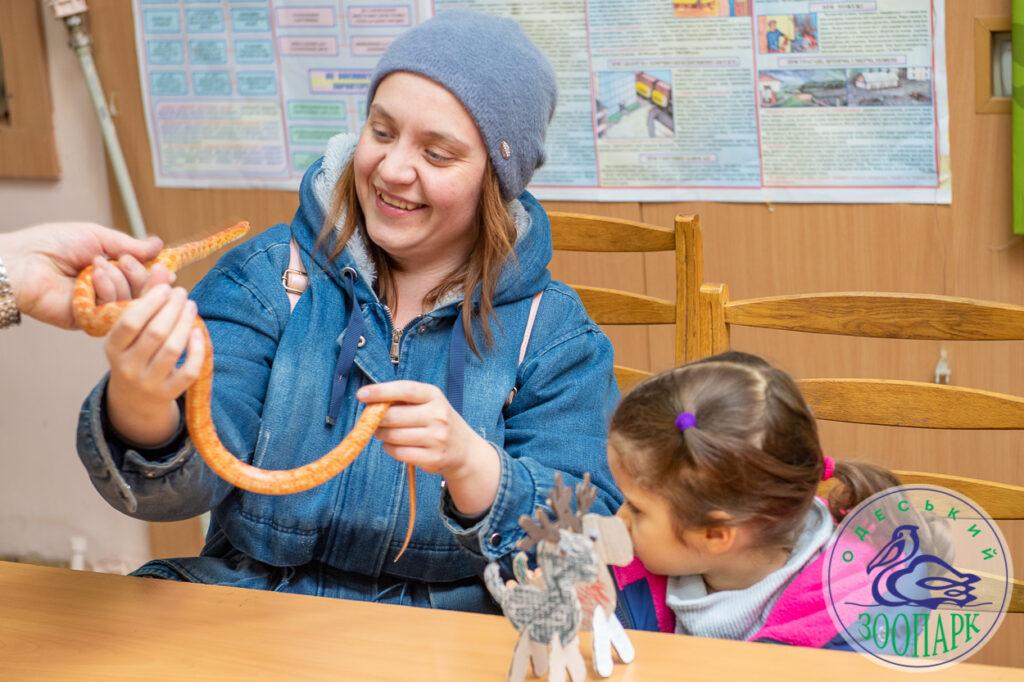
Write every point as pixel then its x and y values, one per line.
pixel 496 234
pixel 753 453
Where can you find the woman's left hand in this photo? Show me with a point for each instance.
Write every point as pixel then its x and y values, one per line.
pixel 423 429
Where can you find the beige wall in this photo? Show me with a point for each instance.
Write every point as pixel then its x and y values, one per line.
pixel 45 496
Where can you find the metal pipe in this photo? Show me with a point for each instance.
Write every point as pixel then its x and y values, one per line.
pixel 81 43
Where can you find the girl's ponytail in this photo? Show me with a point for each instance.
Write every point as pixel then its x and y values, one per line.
pixel 733 434
pixel 857 481
pixel 854 483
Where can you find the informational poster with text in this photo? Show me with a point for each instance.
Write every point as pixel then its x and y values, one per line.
pixel 659 100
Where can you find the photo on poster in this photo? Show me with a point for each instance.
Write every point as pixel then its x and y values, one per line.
pixel 780 89
pixel 634 104
pixel 787 33
pixel 690 9
pixel 890 87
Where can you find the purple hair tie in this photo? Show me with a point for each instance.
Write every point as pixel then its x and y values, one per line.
pixel 829 468
pixel 686 420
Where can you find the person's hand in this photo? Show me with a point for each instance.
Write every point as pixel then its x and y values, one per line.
pixel 43 261
pixel 126 278
pixel 423 429
pixel 143 348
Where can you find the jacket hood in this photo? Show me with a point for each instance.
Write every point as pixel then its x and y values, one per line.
pixel 521 277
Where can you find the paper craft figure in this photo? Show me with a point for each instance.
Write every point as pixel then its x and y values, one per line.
pixel 612 546
pixel 543 605
pixel 597 597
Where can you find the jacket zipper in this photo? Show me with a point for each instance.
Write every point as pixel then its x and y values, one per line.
pixel 396 337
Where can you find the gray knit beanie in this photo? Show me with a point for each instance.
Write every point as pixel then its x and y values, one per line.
pixel 503 80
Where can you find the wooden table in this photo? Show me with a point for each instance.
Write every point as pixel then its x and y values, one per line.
pixel 57 624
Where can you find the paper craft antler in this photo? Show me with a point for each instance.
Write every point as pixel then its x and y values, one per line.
pixel 559 499
pixel 540 530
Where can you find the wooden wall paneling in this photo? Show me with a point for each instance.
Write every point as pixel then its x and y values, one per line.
pixel 659 280
pixel 762 251
pixel 27 146
pixel 172 539
pixel 613 270
pixel 987 262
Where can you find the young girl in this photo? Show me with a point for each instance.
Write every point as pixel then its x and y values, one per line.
pixel 719 462
pixel 426 262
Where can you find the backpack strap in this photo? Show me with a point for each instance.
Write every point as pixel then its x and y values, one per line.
pixel 534 306
pixel 295 279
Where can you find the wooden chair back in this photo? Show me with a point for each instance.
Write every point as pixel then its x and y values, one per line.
pixel 588 233
pixel 879 315
pixel 883 401
pixel 1001 501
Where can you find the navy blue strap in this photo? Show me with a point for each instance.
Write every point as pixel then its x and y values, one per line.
pixel 457 364
pixel 354 330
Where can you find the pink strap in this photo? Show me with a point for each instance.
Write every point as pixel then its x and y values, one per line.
pixel 294 286
pixel 534 305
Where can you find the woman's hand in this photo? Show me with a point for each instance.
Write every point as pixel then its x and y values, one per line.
pixel 143 348
pixel 423 429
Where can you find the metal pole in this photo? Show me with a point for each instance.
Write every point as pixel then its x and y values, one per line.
pixel 81 43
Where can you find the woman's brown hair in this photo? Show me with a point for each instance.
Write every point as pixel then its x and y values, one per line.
pixel 753 453
pixel 493 247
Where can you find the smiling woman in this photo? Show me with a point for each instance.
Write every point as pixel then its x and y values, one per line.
pixel 420 172
pixel 427 265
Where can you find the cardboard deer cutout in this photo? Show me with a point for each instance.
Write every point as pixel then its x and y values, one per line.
pixel 570 590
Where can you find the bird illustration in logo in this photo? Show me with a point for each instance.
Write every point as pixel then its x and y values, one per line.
pixel 906 578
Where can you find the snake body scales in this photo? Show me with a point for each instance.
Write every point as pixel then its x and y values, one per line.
pixel 97 321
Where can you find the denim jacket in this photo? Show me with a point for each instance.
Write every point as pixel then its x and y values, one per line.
pixel 273 382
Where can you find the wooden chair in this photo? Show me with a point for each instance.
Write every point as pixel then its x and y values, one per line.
pixel 890 402
pixel 588 233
